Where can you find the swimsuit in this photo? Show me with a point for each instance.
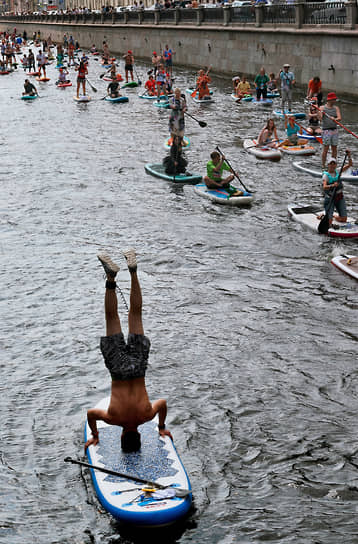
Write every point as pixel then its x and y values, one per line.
pixel 125 361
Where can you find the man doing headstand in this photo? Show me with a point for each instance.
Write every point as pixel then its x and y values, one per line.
pixel 129 405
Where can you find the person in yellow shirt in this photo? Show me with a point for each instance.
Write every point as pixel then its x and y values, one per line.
pixel 243 88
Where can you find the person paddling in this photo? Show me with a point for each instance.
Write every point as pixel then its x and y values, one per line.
pixel 292 131
pixel 178 107
pixel 268 135
pixel 329 127
pixel 330 183
pixel 214 172
pixel 202 84
pixel 150 86
pixel 81 78
pixel 128 64
pixel 30 89
pixel 113 88
pixel 127 363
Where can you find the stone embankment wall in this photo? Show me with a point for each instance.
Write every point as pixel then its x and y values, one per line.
pixel 331 54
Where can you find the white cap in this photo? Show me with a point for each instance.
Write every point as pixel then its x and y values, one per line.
pixel 332 159
pixel 235 78
pixel 286 65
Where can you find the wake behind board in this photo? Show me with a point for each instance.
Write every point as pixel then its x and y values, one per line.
pixel 310 217
pixel 262 151
pixel 158 171
pixel 349 266
pixel 157 461
pixel 221 196
pixel 349 175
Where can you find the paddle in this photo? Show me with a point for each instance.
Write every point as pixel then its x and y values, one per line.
pixel 201 123
pixel 180 492
pixel 233 171
pixel 324 223
pixel 90 84
pixel 337 122
pixel 261 145
pixel 104 73
pixel 136 75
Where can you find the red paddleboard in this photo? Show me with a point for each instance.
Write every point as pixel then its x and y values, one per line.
pixel 64 84
pixel 42 79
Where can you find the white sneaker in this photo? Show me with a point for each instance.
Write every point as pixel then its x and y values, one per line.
pixel 131 259
pixel 109 266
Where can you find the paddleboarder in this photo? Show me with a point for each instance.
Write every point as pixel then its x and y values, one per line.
pixel 214 172
pixel 292 131
pixel 261 81
pixel 128 64
pixel 129 406
pixel 287 81
pixel 268 135
pixel 330 183
pixel 30 89
pixel 178 107
pixel 113 88
pixel 81 77
pixel 329 127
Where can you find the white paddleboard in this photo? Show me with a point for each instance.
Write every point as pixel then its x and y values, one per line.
pixel 310 217
pixel 348 175
pixel 84 98
pixel 349 266
pixel 221 196
pixel 157 461
pixel 262 152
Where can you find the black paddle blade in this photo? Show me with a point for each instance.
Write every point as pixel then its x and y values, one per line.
pixel 202 124
pixel 324 225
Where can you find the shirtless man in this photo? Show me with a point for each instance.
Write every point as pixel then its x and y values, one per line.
pixel 129 405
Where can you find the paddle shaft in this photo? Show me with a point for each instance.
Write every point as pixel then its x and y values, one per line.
pixel 179 490
pixel 324 223
pixel 318 138
pixel 337 122
pixel 201 123
pixel 92 87
pixel 233 171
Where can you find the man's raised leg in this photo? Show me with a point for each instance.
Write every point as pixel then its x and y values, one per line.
pixel 113 324
pixel 135 324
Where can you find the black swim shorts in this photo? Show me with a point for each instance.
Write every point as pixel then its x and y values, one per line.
pixel 125 361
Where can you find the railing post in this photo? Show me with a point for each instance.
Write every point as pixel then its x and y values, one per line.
pixel 126 17
pixel 156 16
pixel 351 10
pixel 299 14
pixel 199 15
pixel 227 15
pixel 140 16
pixel 177 15
pixel 259 15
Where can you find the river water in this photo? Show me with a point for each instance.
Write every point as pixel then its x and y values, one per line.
pixel 253 331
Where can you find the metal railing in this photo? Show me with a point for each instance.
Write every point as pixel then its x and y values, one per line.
pixel 297 14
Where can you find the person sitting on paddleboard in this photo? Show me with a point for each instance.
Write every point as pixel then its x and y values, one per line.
pixel 328 113
pixel 202 84
pixel 128 64
pixel 272 84
pixel 62 76
pixel 127 363
pixel 261 81
pixel 243 88
pixel 313 118
pixel 30 89
pixel 175 163
pixel 113 88
pixel 235 81
pixel 81 78
pixel 330 181
pixel 268 135
pixel 292 130
pixel 214 172
pixel 93 49
pixel 150 86
pixel 314 89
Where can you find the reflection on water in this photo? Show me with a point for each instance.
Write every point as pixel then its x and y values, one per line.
pixel 253 331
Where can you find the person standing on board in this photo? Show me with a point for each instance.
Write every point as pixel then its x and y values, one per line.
pixel 127 363
pixel 287 81
pixel 330 182
pixel 41 61
pixel 128 64
pixel 261 81
pixel 168 59
pixel 328 113
pixel 81 78
pixel 178 107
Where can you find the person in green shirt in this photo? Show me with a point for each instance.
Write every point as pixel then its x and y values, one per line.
pixel 214 170
pixel 261 81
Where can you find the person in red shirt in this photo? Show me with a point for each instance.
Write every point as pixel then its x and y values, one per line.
pixel 150 86
pixel 315 89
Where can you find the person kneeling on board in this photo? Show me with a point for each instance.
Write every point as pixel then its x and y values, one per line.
pixel 292 130
pixel 62 76
pixel 214 178
pixel 331 182
pixel 113 88
pixel 129 406
pixel 175 163
pixel 30 89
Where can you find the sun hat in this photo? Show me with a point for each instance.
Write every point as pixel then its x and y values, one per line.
pixel 332 159
pixel 235 78
pixel 286 65
pixel 129 51
pixel 331 96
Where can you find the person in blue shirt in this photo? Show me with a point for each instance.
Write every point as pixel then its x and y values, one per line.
pixel 292 131
pixel 168 59
pixel 333 190
pixel 287 81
